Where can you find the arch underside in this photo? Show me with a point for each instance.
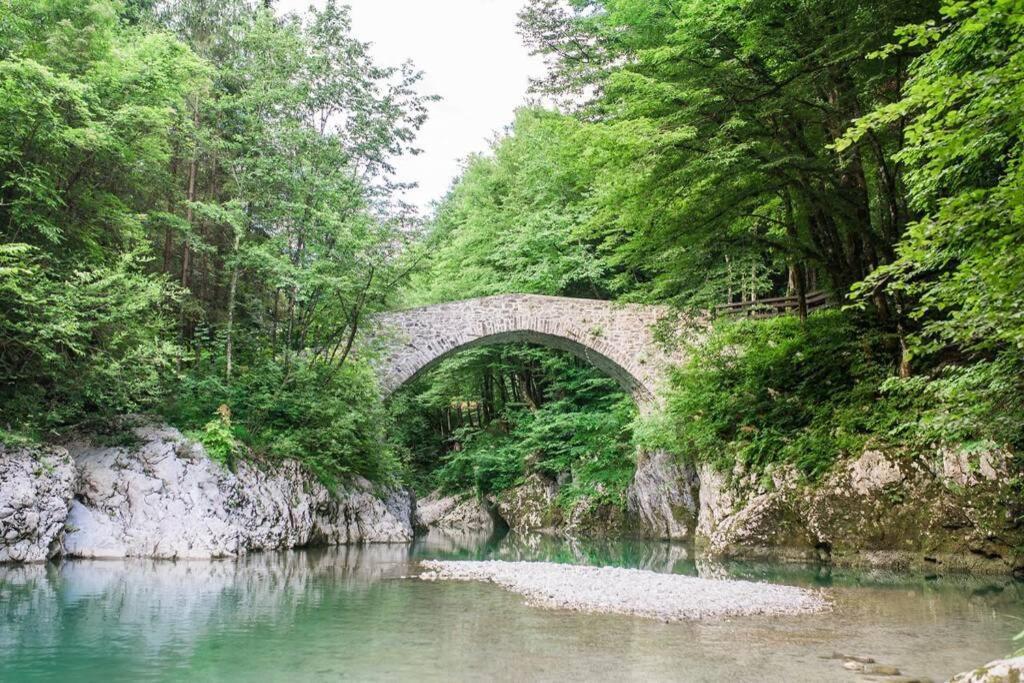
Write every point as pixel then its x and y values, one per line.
pixel 641 393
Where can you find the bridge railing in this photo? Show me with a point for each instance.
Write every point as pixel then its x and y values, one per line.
pixel 769 308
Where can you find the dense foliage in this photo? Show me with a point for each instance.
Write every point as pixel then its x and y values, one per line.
pixel 197 210
pixel 487 418
pixel 706 152
pixel 807 393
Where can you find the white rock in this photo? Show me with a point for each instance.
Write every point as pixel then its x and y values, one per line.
pixel 453 512
pixel 166 499
pixel 959 466
pixel 998 671
pixel 873 471
pixel 36 487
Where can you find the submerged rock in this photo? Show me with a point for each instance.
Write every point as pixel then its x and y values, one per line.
pixel 36 487
pixel 166 499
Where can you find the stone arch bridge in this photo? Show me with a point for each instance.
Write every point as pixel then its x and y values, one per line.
pixel 623 340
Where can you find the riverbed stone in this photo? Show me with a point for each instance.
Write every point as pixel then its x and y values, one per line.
pixel 637 592
pixel 36 488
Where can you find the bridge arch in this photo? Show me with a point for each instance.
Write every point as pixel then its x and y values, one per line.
pixel 619 339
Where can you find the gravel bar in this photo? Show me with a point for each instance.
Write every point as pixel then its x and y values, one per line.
pixel 668 597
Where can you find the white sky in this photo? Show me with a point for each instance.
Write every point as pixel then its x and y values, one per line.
pixel 471 56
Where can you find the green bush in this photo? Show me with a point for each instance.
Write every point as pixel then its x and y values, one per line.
pixel 781 390
pixel 487 463
pixel 332 421
pixel 218 439
pixel 806 393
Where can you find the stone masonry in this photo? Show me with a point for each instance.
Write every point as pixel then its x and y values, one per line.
pixel 620 339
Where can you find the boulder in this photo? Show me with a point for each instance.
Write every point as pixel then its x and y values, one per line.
pixel 531 506
pixel 998 671
pixel 36 488
pixel 465 513
pixel 755 523
pixel 594 516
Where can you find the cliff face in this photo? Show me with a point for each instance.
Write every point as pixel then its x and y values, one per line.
pixel 948 510
pixel 36 488
pixel 945 510
pixel 167 499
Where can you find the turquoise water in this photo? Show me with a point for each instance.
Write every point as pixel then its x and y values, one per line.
pixel 348 614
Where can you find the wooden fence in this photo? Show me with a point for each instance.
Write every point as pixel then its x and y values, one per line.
pixel 769 308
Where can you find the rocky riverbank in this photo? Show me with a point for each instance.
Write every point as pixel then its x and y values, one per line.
pixel 660 503
pixel 998 671
pixel 945 511
pixel 165 498
pixel 950 510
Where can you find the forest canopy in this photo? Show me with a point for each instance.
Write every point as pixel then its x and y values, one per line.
pixel 199 213
pixel 198 209
pixel 727 151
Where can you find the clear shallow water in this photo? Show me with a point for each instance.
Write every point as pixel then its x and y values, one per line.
pixel 347 614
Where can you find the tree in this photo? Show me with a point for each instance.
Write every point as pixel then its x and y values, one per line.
pixel 84 117
pixel 961 261
pixel 726 114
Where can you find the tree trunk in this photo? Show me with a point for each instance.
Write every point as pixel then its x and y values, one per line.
pixel 229 345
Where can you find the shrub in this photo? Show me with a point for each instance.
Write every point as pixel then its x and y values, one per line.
pixel 806 393
pixel 330 420
pixel 219 440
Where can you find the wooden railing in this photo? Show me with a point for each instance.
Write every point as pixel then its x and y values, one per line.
pixel 768 308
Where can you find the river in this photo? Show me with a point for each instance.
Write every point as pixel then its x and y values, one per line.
pixel 348 613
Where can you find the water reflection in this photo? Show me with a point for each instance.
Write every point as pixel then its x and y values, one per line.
pixel 154 607
pixel 510 546
pixel 347 612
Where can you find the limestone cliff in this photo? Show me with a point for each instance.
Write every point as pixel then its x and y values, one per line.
pixel 166 499
pixel 36 487
pixel 948 510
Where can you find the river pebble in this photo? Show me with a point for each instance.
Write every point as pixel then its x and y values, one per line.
pixel 668 597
